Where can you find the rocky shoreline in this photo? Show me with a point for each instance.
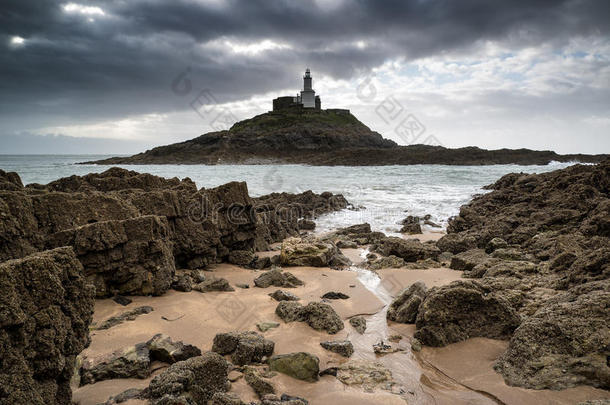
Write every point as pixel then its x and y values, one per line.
pixel 130 288
pixel 325 138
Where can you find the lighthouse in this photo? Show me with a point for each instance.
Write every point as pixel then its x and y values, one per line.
pixel 308 95
pixel 305 99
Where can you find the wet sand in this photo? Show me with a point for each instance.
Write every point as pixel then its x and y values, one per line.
pixel 461 373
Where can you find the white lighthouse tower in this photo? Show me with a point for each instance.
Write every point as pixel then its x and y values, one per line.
pixel 308 95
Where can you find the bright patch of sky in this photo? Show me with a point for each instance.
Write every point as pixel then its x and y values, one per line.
pixel 81 9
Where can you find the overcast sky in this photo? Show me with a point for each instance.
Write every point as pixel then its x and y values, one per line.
pixel 137 74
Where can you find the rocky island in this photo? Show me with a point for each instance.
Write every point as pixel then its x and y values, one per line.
pixel 325 137
pixel 123 287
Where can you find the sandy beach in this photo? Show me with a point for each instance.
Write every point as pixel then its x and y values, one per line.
pixel 459 373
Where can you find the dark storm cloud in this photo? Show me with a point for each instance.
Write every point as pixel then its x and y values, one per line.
pixel 71 69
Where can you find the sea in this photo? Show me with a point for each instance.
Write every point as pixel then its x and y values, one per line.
pixel 380 195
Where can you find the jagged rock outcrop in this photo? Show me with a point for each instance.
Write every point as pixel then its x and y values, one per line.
pixel 281 215
pixel 10 181
pixel 540 244
pixel 130 257
pixel 95 214
pixel 46 307
pixel 199 225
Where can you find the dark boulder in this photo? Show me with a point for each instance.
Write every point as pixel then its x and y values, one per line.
pixel 244 347
pixel 322 317
pixel 335 295
pixel 259 384
pixel 129 315
pixel 302 366
pixel 405 307
pixel 342 347
pixel 290 311
pixel 461 310
pixel 193 381
pixel 407 249
pixel 317 315
pixel 46 307
pixel 162 348
pixel 280 295
pixel 213 284
pixel 183 283
pixel 277 278
pixel 131 362
pixel 359 323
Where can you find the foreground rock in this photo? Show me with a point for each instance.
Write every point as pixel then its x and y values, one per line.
pixel 461 310
pixel 129 315
pixel 213 284
pixel 409 250
pixel 405 307
pixel 132 362
pixel 278 278
pixel 193 381
pixel 342 347
pixel 280 295
pixel 244 347
pixel 367 374
pixel 317 315
pixel 299 252
pixel 46 307
pixel 562 345
pixel 302 366
pixel 359 323
pixel 359 234
pixel 284 399
pixel 162 348
pixel 259 384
